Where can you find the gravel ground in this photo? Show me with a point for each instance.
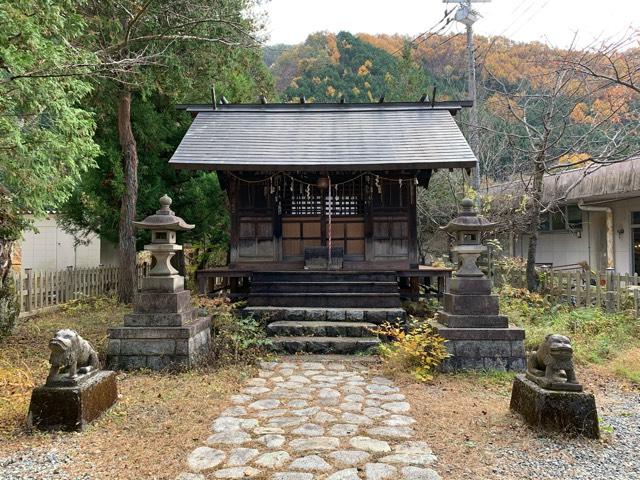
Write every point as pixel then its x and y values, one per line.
pixel 617 456
pixel 33 463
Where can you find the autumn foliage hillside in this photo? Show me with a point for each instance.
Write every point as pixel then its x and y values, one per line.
pixel 363 67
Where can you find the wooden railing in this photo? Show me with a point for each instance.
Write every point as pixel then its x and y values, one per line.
pixel 580 288
pixel 39 291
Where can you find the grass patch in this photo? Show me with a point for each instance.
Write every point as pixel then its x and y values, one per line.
pixel 490 377
pixel 24 356
pixel 159 416
pixel 611 340
pixel 627 364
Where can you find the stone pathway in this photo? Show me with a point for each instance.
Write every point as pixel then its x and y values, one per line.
pixel 308 420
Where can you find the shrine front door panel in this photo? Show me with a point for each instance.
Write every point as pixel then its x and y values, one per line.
pixel 300 232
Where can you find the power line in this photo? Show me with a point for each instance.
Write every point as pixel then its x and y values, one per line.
pixel 443 19
pixel 437 33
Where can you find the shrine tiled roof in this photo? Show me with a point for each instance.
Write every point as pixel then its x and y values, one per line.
pixel 305 137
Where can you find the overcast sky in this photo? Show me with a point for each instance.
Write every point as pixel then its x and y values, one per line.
pixel 550 21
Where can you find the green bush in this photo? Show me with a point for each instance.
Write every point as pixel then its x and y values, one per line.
pixel 9 308
pixel 596 336
pixel 234 339
pixel 422 309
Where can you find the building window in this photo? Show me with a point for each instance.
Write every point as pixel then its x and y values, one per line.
pixel 562 219
pixel 254 197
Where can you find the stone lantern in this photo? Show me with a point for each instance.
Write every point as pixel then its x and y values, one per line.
pixel 164 329
pixel 163 225
pixel 468 228
pixel 478 337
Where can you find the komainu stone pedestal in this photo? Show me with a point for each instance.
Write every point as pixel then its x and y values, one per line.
pixel 72 408
pixel 555 411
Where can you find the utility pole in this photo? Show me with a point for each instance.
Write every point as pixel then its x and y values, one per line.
pixel 467 16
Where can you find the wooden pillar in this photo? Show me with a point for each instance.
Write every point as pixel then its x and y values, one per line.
pixel 413 226
pixel 235 227
pixel 276 226
pixel 369 251
pixel 323 217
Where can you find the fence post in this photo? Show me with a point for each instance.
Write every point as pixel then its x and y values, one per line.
pixel 20 290
pixel 29 273
pixel 610 295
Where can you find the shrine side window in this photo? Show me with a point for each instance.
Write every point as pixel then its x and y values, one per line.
pixel 254 197
pixel 392 195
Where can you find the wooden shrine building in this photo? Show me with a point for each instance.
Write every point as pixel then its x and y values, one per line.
pixel 315 187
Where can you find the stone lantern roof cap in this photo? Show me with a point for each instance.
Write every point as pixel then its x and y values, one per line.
pixel 468 220
pixel 164 219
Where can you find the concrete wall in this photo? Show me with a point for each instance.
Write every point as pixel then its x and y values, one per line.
pixel 108 253
pixel 565 248
pixel 50 248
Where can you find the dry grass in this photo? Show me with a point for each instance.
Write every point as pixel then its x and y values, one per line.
pixel 158 419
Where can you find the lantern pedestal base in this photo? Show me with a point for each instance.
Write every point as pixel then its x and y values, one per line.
pixel 483 348
pixel 158 348
pixel 164 331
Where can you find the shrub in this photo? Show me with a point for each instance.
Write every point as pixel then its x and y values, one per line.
pixel 234 339
pixel 422 309
pixel 417 351
pixel 9 308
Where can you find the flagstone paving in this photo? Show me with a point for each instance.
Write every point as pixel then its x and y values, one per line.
pixel 302 420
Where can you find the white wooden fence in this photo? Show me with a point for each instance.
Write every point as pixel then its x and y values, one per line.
pixel 39 291
pixel 580 288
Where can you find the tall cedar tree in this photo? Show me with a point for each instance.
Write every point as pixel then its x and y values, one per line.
pixel 146 46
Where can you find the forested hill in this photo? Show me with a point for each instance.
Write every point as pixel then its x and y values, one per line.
pixel 362 67
pixel 327 66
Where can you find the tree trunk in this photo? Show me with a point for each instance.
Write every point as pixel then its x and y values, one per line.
pixel 534 225
pixel 127 285
pixel 5 259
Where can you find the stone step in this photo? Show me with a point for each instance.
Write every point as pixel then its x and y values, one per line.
pixel 334 300
pixel 320 329
pixel 369 315
pixel 324 344
pixel 324 287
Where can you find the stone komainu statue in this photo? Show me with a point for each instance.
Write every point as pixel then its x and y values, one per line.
pixel 71 354
pixel 547 364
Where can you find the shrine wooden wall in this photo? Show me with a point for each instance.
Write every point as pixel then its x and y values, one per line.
pixel 274 222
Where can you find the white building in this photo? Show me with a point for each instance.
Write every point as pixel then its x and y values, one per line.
pixel 579 232
pixel 49 248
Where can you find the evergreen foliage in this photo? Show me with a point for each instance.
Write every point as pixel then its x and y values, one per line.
pixel 46 139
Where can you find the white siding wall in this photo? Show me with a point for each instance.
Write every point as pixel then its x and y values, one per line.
pixel 622 245
pixel 564 248
pixel 53 249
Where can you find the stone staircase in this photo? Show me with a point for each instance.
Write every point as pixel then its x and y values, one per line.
pixel 324 312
